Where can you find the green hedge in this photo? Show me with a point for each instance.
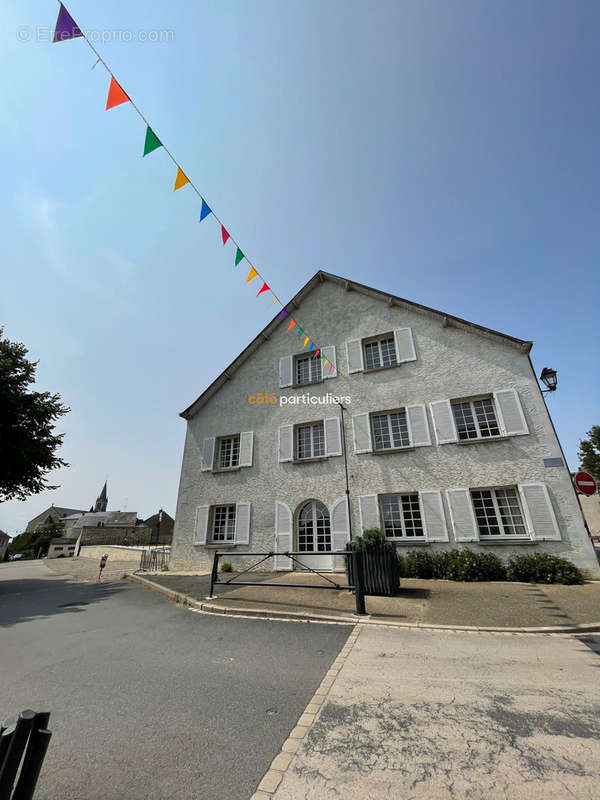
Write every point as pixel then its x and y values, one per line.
pixel 465 565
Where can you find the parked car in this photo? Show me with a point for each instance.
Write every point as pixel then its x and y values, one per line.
pixel 16 557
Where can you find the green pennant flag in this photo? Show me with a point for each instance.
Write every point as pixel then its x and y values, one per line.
pixel 300 332
pixel 238 256
pixel 152 141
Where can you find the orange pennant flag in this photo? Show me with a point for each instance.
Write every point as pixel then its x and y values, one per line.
pixel 252 274
pixel 291 325
pixel 181 179
pixel 116 95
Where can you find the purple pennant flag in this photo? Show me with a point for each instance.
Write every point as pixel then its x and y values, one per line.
pixel 282 314
pixel 66 27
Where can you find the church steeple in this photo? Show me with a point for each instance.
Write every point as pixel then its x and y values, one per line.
pixel 102 501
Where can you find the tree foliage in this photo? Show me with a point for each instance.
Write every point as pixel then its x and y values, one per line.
pixel 589 452
pixel 28 442
pixel 32 542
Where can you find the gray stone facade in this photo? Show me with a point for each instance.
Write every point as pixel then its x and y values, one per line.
pixel 454 360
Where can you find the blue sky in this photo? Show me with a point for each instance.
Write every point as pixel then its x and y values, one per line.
pixel 443 151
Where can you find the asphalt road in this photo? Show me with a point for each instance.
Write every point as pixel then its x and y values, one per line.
pixel 148 699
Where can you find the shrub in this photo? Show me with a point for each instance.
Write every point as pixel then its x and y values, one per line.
pixel 372 539
pixel 226 567
pixel 420 564
pixel 543 568
pixel 465 565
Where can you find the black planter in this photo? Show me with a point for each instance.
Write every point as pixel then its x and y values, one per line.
pixel 381 569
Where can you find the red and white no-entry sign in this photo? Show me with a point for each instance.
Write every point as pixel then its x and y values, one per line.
pixel 585 483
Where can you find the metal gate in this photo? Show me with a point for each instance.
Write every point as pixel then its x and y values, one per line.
pixel 154 560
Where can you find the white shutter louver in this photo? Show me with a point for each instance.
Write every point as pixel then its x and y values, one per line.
pixel 405 346
pixel 246 448
pixel 462 515
pixel 242 523
pixel 286 366
pixel 283 535
pixel 340 531
pixel 368 505
pixel 201 525
pixel 333 437
pixel 286 443
pixel 418 427
pixel 433 516
pixel 443 422
pixel 208 453
pixel 329 353
pixel 539 512
pixel 355 355
pixel 509 409
pixel 361 426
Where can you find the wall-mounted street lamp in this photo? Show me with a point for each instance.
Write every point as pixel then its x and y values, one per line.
pixel 549 378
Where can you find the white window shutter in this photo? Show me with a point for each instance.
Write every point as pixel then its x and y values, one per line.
pixel 462 515
pixel 355 355
pixel 433 516
pixel 540 515
pixel 246 448
pixel 405 346
pixel 368 505
pixel 201 525
pixel 361 425
pixel 443 422
pixel 333 437
pixel 286 443
pixel 242 523
pixel 329 353
pixel 286 366
pixel 509 409
pixel 283 535
pixel 208 453
pixel 418 426
pixel 340 531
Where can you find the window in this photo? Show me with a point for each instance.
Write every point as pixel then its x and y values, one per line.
pixel 310 441
pixel 223 523
pixel 314 529
pixel 229 452
pixel 308 370
pixel 390 431
pixel 498 512
pixel 401 514
pixel 475 419
pixel 380 352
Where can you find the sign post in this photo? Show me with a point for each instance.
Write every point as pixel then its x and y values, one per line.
pixel 103 561
pixel 585 483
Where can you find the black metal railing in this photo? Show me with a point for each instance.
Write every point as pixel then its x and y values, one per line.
pixel 357 586
pixel 154 560
pixel 24 741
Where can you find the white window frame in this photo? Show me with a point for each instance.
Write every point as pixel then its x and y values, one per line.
pixel 312 365
pixel 503 536
pixel 403 537
pixel 471 401
pixel 312 425
pixel 378 340
pixel 388 415
pixel 218 466
pixel 212 520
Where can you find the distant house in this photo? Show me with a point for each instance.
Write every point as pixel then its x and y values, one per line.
pixel 4 540
pixel 54 514
pixel 162 534
pixel 61 547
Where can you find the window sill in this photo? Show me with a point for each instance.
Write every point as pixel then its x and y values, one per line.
pixel 391 450
pixel 407 541
pixel 368 371
pixel 506 541
pixel 310 460
pixel 226 469
pixel 216 545
pixel 483 440
pixel 304 385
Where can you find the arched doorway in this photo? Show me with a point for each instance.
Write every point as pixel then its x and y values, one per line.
pixel 314 535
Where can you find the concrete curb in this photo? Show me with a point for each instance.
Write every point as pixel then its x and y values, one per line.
pixel 283 761
pixel 291 616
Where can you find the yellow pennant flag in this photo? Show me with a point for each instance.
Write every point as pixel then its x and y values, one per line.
pixel 306 341
pixel 325 362
pixel 252 274
pixel 181 179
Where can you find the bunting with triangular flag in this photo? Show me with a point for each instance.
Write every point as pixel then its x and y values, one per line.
pixel 238 256
pixel 273 301
pixel 306 341
pixel 116 95
pixel 205 210
pixel 291 325
pixel 300 332
pixel 224 235
pixel 152 141
pixel 66 27
pixel 312 347
pixel 180 179
pixel 252 274
pixel 282 313
pixel 265 288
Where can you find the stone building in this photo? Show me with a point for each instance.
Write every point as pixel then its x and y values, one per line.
pixel 449 441
pixel 53 514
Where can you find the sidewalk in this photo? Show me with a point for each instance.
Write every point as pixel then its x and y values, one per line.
pixel 421 602
pixel 452 716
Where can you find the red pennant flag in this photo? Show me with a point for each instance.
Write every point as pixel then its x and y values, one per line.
pixel 265 288
pixel 224 235
pixel 316 355
pixel 116 95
